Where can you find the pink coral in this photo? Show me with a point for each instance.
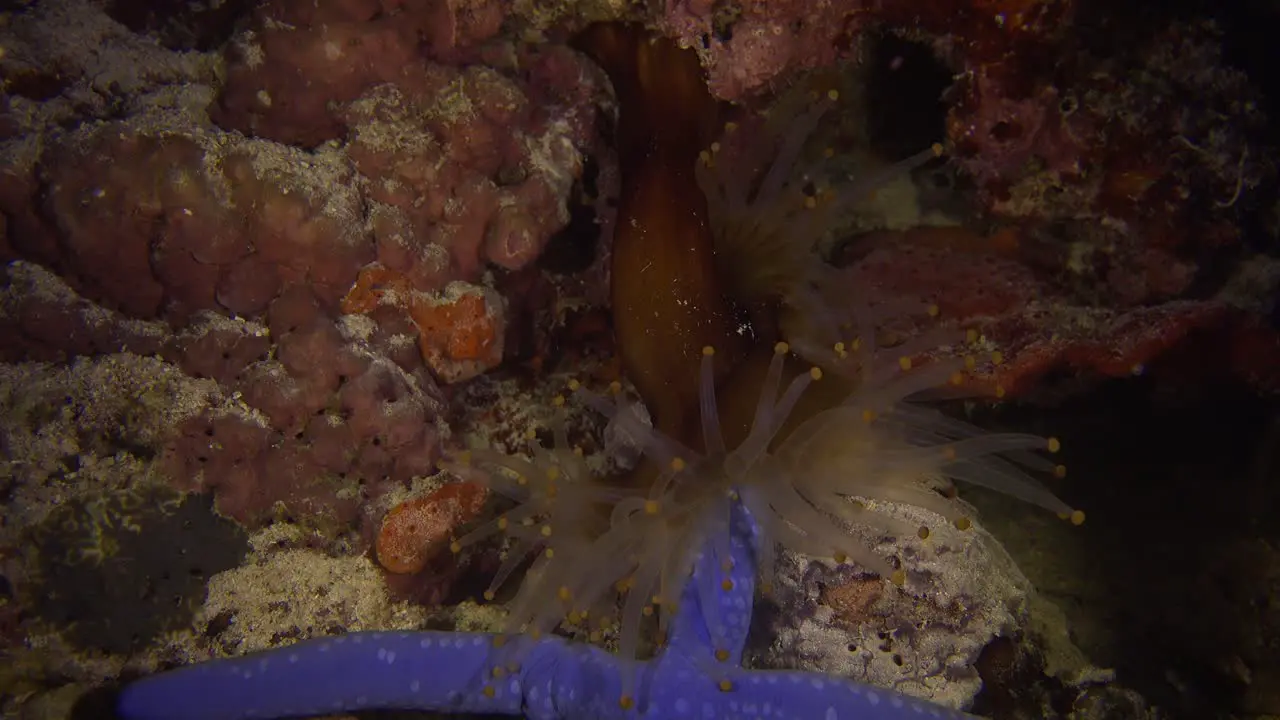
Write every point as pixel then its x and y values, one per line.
pixel 467 169
pixel 334 423
pixel 1030 327
pixel 299 63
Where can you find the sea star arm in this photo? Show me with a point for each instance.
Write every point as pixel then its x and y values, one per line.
pixel 685 694
pixel 455 672
pixel 352 672
pixel 714 615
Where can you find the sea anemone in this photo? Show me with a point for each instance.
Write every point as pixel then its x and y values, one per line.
pixel 770 208
pixel 835 468
pixel 835 431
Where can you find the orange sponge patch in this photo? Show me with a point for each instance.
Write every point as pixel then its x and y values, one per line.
pixel 460 329
pixel 415 531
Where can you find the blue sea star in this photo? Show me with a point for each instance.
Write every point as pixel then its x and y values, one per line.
pixel 544 678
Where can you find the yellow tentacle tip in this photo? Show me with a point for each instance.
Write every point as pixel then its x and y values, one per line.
pixel 725 685
pixel 708 351
pixel 626 702
pixel 781 348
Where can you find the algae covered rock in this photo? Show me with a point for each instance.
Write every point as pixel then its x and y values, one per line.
pixel 116 572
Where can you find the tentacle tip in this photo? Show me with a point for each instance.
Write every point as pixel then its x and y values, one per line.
pixel 1075 517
